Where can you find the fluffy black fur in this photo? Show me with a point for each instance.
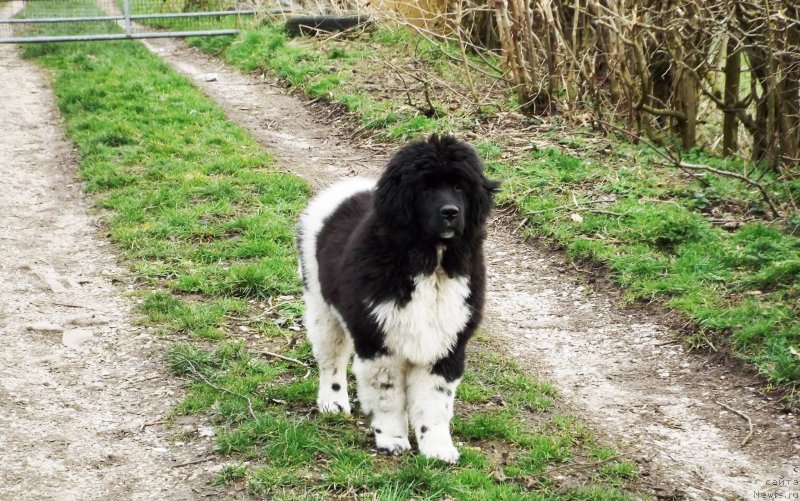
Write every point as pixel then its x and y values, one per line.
pixel 373 245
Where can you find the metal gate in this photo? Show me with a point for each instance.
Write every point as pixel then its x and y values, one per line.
pixel 81 20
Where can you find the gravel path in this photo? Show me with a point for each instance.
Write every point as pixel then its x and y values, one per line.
pixel 83 390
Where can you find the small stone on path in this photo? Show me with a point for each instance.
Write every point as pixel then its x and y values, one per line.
pixel 75 338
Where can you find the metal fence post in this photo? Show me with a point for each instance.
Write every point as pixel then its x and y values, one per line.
pixel 127 13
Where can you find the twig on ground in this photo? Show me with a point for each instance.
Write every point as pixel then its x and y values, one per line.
pixel 571 207
pixel 197 373
pixel 581 466
pixel 282 357
pixel 151 423
pixel 70 305
pixel 691 168
pixel 606 212
pixel 743 416
pixel 196 461
pixel 578 269
pixel 755 184
pixel 665 343
pixel 658 200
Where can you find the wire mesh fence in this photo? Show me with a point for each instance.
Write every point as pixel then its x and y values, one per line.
pixel 66 20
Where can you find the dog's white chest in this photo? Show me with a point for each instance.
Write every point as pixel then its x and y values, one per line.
pixel 426 328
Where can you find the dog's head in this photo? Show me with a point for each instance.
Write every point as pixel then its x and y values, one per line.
pixel 436 187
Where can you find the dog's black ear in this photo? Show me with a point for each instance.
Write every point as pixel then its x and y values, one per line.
pixel 394 196
pixel 394 200
pixel 484 188
pixel 484 200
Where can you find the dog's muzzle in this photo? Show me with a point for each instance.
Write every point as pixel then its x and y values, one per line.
pixel 449 214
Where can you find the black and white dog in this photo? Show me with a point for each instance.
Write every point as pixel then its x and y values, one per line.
pixel 394 270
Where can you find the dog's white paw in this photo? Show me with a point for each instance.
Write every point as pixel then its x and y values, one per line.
pixel 333 405
pixel 437 444
pixel 445 452
pixel 391 445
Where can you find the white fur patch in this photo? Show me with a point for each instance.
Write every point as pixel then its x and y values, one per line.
pixel 426 328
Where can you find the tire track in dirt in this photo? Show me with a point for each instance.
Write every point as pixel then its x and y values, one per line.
pixel 82 390
pixel 617 367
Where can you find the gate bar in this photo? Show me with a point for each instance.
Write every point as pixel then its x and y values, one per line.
pixel 59 19
pixel 133 17
pixel 119 36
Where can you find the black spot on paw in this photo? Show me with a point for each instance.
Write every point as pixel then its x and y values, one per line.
pixel 446 391
pixel 378 430
pixel 336 387
pixel 386 386
pixel 423 429
pixel 338 406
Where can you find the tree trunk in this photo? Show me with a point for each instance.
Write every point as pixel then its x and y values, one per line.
pixel 661 74
pixel 764 132
pixel 730 124
pixel 790 94
pixel 687 103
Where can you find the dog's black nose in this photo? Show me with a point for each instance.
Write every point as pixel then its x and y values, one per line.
pixel 449 212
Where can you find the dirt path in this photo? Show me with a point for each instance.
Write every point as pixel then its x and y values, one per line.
pixel 617 367
pixel 82 390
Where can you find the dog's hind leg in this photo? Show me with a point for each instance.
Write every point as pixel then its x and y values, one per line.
pixel 430 408
pixel 382 394
pixel 332 348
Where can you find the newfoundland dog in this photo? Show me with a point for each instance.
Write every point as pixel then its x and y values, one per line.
pixel 394 271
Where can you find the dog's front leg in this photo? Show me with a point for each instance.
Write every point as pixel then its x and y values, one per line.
pixel 382 393
pixel 431 400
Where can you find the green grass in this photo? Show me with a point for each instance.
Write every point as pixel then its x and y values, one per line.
pixel 604 202
pixel 291 451
pixel 199 212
